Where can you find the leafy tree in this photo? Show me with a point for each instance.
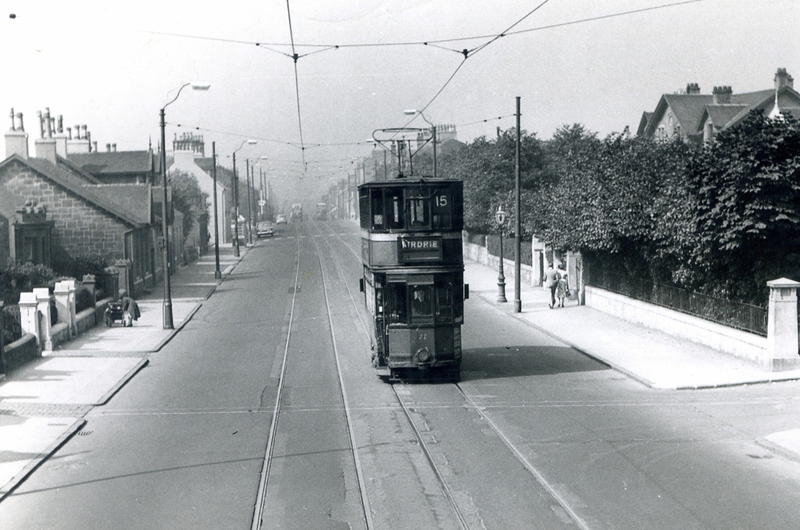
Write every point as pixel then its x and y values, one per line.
pixel 487 168
pixel 748 211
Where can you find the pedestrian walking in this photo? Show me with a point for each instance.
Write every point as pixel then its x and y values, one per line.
pixel 562 289
pixel 551 277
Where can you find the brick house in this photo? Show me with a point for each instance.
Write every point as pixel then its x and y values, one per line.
pixel 52 211
pixel 697 117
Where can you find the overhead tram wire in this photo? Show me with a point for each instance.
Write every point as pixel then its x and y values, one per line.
pixel 295 57
pixel 470 53
pixel 429 43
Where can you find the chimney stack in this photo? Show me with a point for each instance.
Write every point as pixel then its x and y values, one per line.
pixel 722 95
pixel 783 79
pixel 16 138
pixel 60 137
pixel 46 145
pixel 693 89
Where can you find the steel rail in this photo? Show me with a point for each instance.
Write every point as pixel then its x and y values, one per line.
pixel 446 491
pixel 362 487
pixel 258 509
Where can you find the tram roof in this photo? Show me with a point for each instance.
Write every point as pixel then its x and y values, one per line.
pixel 406 181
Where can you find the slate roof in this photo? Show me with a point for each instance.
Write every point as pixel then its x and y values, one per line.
pixel 691 110
pixel 115 162
pixel 129 203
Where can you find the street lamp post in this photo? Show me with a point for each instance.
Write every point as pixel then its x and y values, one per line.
pixel 167 307
pixel 249 207
pixel 500 217
pixel 217 273
pixel 236 197
pixel 411 112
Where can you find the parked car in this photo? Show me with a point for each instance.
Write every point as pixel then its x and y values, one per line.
pixel 280 219
pixel 264 228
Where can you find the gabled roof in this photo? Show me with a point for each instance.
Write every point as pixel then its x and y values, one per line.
pixel 692 110
pixel 132 206
pixel 721 115
pixel 646 118
pixel 687 109
pixel 115 162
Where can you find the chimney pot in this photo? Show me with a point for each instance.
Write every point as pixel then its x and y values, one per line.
pixel 722 95
pixel 108 148
pixel 783 79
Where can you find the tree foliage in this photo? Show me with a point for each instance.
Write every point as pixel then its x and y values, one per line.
pixel 748 205
pixel 723 218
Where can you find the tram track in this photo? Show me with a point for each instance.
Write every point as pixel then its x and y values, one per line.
pixel 264 476
pixel 301 232
pixel 423 445
pixel 446 490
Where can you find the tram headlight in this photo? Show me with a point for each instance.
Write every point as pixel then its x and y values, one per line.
pixel 423 355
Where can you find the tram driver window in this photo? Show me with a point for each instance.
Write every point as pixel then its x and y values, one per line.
pixel 421 302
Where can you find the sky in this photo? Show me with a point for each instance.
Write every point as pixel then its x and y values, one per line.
pixel 113 65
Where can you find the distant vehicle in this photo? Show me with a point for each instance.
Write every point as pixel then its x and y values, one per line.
pixel 280 219
pixel 297 212
pixel 264 228
pixel 322 211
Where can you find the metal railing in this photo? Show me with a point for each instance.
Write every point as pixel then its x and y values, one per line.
pixel 745 317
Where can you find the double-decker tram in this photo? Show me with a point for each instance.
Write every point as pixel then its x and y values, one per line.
pixel 413 279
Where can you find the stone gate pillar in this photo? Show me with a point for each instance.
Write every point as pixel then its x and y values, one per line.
pixel 42 295
pixel 29 316
pixel 65 304
pixel 782 342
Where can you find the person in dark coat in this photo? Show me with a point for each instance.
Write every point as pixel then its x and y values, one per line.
pixel 130 309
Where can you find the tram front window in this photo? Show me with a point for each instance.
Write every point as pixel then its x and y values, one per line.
pixel 444 303
pixel 396 302
pixel 421 303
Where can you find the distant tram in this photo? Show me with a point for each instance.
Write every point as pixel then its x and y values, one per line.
pixel 413 275
pixel 322 211
pixel 297 212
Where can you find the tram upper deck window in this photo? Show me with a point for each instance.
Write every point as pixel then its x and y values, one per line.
pixel 442 206
pixel 387 209
pixel 417 208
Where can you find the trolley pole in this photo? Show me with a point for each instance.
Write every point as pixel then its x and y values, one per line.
pixel 518 229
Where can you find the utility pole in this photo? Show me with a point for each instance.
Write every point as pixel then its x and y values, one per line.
pixel 518 229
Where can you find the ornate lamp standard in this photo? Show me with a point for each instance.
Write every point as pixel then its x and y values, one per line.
pixel 411 112
pixel 236 196
pixel 167 308
pixel 500 217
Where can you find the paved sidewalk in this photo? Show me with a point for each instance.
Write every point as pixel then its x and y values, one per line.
pixel 42 405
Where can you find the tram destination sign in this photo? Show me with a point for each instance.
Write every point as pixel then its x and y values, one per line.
pixel 411 249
